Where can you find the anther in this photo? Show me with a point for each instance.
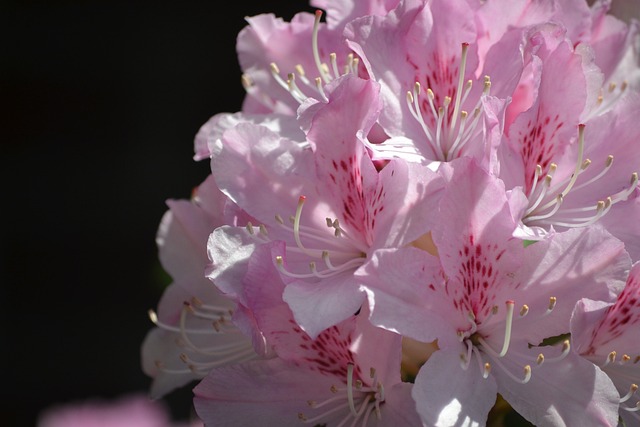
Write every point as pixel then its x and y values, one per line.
pixel 527 374
pixel 487 370
pixel 625 358
pixel 540 359
pixel 524 310
pixel 249 227
pixel 611 358
pixel 552 304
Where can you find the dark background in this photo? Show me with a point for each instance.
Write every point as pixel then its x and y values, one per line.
pixel 100 102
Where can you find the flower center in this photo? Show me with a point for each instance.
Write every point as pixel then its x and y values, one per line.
pixel 359 400
pixel 547 194
pixel 326 72
pixel 327 255
pixel 447 127
pixel 487 356
pixel 207 336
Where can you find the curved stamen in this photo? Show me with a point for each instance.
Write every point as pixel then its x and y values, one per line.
pixel 316 51
pixel 463 64
pixel 632 390
pixel 566 349
pixel 350 389
pixel 507 329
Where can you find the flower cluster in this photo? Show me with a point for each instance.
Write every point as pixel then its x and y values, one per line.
pixel 424 206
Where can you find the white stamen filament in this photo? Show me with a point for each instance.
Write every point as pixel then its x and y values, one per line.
pixel 507 328
pixel 463 65
pixel 635 408
pixel 314 44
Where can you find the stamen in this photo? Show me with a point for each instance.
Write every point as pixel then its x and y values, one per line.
pixel 463 64
pixel 507 330
pixel 611 358
pixel 334 64
pixel 566 349
pixel 635 408
pixel 552 305
pixel 296 226
pixel 314 44
pixel 350 389
pixel 632 390
pixel 486 371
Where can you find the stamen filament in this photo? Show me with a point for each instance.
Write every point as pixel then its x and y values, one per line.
pixel 463 64
pixel 350 389
pixel 316 51
pixel 632 390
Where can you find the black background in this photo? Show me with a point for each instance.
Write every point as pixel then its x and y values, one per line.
pixel 100 102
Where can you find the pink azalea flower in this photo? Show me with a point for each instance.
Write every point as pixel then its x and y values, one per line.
pixel 567 174
pixel 490 302
pixel 342 207
pixel 347 375
pixel 607 334
pixel 425 56
pixel 195 327
pixel 308 52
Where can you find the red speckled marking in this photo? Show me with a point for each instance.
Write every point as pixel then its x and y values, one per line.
pixel 620 317
pixel 473 287
pixel 329 353
pixel 538 144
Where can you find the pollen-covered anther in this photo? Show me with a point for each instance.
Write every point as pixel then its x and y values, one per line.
pixel 486 370
pixel 524 310
pixel 552 305
pixel 611 358
pixel 625 359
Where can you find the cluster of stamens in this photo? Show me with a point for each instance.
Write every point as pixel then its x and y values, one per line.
pixel 612 360
pixel 345 250
pixel 479 348
pixel 546 196
pixel 607 98
pixel 219 352
pixel 327 72
pixel 359 399
pixel 450 128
